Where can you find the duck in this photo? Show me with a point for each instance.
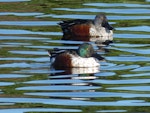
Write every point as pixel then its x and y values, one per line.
pixel 86 29
pixel 83 57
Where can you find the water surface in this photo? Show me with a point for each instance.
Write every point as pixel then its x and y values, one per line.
pixel 29 84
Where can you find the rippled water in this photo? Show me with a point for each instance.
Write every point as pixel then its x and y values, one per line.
pixel 27 83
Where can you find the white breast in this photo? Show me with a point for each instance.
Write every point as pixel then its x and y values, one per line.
pixel 102 32
pixel 78 61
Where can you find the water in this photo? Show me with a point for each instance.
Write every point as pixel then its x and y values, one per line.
pixel 27 83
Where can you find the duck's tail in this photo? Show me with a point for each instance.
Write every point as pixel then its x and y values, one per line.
pixel 54 52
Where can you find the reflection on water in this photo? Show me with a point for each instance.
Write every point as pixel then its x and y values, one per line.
pixel 89 70
pixel 29 84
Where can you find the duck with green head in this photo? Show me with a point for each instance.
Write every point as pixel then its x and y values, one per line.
pixel 84 56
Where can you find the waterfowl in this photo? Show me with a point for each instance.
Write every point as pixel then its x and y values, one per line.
pixel 86 29
pixel 83 57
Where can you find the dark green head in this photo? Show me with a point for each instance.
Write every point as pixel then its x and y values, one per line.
pixel 85 50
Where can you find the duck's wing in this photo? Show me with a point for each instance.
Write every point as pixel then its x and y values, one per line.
pixel 66 25
pixel 52 53
pixel 56 51
pixel 73 22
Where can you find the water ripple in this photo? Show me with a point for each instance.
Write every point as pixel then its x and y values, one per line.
pixel 56 88
pixel 23 110
pixel 6 83
pixel 130 36
pixel 29 52
pixel 13 65
pixel 117 5
pixel 78 16
pixel 87 94
pixel 13 31
pixel 38 59
pixel 145 68
pixel 69 102
pixel 20 14
pixel 132 88
pixel 20 38
pixel 134 75
pixel 130 45
pixel 135 28
pixel 119 67
pixel 29 23
pixel 109 10
pixel 131 50
pixel 57 81
pixel 13 76
pixel 128 58
pixel 130 81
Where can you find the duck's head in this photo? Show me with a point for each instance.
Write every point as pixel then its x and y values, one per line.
pixel 101 20
pixel 85 50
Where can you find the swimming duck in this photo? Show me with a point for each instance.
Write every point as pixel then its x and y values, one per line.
pixel 83 57
pixel 85 29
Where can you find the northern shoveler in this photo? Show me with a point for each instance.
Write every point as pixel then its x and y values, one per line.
pixel 84 56
pixel 85 29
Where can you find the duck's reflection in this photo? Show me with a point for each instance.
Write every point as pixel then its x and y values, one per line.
pixel 87 70
pixel 98 40
pixel 75 80
pixel 75 73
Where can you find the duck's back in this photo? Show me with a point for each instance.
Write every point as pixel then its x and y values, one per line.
pixel 79 27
